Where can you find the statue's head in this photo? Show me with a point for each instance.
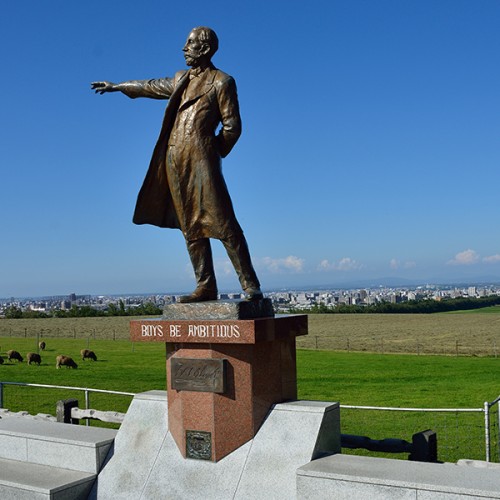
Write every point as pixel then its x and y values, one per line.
pixel 201 44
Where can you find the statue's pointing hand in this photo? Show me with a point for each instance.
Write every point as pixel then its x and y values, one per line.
pixel 102 87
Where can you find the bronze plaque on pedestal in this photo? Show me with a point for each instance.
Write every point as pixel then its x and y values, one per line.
pixel 200 375
pixel 199 445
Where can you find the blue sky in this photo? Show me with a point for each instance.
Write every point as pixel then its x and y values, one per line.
pixel 370 146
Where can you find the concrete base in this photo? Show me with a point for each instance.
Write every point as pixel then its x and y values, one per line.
pixel 347 477
pixel 148 465
pixel 26 481
pixel 53 444
pixel 48 460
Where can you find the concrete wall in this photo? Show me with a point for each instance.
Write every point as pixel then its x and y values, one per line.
pixel 351 477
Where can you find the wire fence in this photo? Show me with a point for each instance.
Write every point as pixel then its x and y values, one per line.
pixel 43 398
pixel 73 330
pixel 471 433
pixel 385 345
pixel 394 338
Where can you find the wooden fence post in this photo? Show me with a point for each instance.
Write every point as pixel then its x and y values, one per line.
pixel 63 411
pixel 424 447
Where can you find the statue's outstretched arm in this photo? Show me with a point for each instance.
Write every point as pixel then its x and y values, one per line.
pixel 102 87
pixel 157 88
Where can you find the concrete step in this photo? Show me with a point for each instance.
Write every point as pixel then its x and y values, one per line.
pixel 349 476
pixel 25 481
pixel 73 447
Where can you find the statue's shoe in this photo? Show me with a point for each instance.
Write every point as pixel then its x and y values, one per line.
pixel 199 295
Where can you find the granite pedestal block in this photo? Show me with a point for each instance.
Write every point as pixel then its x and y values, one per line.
pixel 345 477
pixel 220 309
pixel 253 360
pixel 42 460
pixel 146 464
pixel 54 444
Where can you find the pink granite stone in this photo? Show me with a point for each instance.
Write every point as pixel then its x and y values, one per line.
pixel 260 371
pixel 217 332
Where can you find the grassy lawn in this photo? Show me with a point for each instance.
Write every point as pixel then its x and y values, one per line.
pixel 360 379
pixel 466 333
pixel 351 378
pixel 120 366
pixel 483 310
pixel 397 380
pixel 383 377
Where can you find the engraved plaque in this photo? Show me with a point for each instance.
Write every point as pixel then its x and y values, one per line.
pixel 199 445
pixel 200 375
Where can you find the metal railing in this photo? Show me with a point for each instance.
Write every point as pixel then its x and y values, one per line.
pixel 469 434
pixel 85 390
pixel 490 441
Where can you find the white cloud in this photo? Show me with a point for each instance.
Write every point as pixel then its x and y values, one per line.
pixel 348 264
pixel 188 270
pixel 465 258
pixel 325 265
pixel 344 264
pixel 396 264
pixel 223 267
pixel 492 259
pixel 287 264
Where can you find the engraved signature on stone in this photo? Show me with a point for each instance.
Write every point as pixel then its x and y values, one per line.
pixel 196 374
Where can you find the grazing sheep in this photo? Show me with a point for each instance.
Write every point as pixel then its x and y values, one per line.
pixel 33 357
pixel 41 345
pixel 86 353
pixel 1 360
pixel 65 361
pixel 14 355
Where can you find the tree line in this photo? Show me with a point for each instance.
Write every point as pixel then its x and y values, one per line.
pixel 146 309
pixel 423 306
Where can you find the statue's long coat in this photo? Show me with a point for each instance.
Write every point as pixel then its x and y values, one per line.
pixel 184 187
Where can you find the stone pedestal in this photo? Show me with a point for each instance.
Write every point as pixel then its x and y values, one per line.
pixel 223 375
pixel 146 463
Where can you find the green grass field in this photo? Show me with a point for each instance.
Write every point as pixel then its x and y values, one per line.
pixel 465 377
pixel 467 333
pixel 483 310
pixel 464 334
pixel 404 381
pixel 397 380
pixel 363 379
pixel 352 378
pixel 120 366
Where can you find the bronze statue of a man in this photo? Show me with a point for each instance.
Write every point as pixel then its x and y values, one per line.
pixel 184 187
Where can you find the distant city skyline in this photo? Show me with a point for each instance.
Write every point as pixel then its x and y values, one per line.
pixel 369 147
pixel 284 300
pixel 387 283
